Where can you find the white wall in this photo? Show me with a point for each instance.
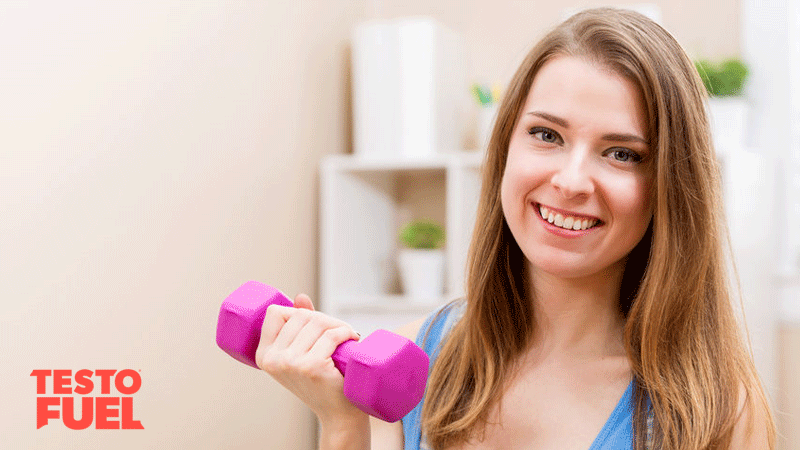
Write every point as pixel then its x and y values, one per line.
pixel 771 44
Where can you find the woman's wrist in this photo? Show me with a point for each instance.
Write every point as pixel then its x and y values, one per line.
pixel 350 432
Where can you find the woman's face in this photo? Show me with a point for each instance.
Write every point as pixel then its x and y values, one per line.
pixel 579 157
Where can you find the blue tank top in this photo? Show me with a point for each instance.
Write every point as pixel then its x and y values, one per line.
pixel 617 433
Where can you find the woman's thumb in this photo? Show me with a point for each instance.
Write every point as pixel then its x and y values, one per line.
pixel 303 301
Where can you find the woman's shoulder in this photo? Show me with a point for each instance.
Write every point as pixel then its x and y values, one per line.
pixel 392 435
pixel 754 426
pixel 435 324
pixel 410 330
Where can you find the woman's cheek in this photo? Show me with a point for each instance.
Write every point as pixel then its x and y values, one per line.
pixel 631 196
pixel 512 189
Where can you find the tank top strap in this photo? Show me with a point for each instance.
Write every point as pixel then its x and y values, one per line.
pixel 430 337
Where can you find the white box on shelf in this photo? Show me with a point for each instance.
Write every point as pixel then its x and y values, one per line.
pixel 409 88
pixel 728 117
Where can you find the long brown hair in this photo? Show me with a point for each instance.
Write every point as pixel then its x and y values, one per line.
pixel 682 338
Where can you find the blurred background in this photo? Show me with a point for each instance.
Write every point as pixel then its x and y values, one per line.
pixel 158 154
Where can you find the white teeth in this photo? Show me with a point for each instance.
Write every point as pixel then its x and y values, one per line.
pixel 570 223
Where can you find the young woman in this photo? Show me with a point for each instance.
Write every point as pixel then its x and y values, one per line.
pixel 597 313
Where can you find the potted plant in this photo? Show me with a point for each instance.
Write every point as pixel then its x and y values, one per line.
pixel 421 262
pixel 727 107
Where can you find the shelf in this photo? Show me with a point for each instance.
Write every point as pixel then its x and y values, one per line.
pixel 387 304
pixel 355 163
pixel 363 203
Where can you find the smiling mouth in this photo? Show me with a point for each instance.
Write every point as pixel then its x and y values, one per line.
pixel 575 223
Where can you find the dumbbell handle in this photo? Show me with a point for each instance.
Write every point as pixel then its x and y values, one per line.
pixel 388 374
pixel 240 338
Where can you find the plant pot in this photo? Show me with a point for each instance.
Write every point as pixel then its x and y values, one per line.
pixel 728 117
pixel 422 274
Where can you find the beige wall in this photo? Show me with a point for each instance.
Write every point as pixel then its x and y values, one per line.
pixel 788 407
pixel 157 154
pixel 498 33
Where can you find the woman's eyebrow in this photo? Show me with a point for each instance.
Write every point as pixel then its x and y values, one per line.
pixel 614 137
pixel 550 117
pixel 623 137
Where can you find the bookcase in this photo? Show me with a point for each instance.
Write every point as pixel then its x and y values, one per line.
pixel 361 213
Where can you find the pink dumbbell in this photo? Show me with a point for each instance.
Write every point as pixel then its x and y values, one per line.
pixel 384 373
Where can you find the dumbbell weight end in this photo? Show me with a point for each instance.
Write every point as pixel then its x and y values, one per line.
pixel 241 317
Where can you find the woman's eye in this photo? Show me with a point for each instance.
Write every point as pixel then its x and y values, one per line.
pixel 624 155
pixel 545 135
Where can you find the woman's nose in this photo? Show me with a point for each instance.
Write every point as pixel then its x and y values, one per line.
pixel 573 178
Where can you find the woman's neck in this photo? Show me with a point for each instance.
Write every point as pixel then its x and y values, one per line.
pixel 578 317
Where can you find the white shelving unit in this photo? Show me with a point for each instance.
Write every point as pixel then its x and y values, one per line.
pixel 750 181
pixel 360 218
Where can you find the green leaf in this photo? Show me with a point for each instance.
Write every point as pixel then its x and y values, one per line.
pixel 422 235
pixel 724 80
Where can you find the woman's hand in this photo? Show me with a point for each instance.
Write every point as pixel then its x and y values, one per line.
pixel 295 349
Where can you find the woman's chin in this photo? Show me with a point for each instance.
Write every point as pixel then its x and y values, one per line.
pixel 573 267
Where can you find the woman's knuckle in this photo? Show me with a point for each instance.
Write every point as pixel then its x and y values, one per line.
pixel 317 328
pixel 329 334
pixel 264 360
pixel 321 317
pixel 336 334
pixel 302 312
pixel 273 310
pixel 272 362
